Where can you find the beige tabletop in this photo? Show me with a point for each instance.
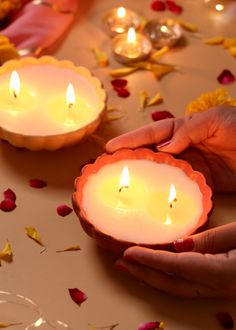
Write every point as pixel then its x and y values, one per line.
pixel 45 277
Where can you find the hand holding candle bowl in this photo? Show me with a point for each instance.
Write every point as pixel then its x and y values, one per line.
pixel 48 104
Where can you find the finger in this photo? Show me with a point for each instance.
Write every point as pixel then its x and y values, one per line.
pixel 149 134
pixel 167 283
pixel 191 266
pixel 215 240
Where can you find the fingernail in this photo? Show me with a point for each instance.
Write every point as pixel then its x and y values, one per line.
pixel 121 267
pixel 163 144
pixel 184 245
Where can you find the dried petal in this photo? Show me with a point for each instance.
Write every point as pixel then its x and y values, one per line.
pixel 187 25
pixel 64 210
pixel 218 40
pixel 122 72
pixel 173 7
pixel 77 296
pixel 157 99
pixel 151 326
pixel 107 119
pixel 34 235
pixel 9 194
pixel 142 65
pixel 158 5
pixel 159 115
pixel 37 183
pixel 7 325
pixel 225 320
pixel 108 327
pixel 72 248
pixel 6 252
pixel 226 77
pixel 118 83
pixel 143 97
pixel 229 42
pixel 232 51
pixel 159 53
pixel 101 57
pixel 7 205
pixel 122 92
pixel 160 70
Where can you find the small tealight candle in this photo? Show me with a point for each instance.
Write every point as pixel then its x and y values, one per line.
pixel 140 198
pixel 164 32
pixel 119 20
pixel 131 47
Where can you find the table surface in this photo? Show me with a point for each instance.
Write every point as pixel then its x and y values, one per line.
pixel 113 297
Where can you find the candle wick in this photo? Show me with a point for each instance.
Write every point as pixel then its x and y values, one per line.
pixel 70 106
pixel 122 187
pixel 14 94
pixel 171 204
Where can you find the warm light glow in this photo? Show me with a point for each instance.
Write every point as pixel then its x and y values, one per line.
pixel 172 195
pixel 219 7
pixel 168 220
pixel 164 28
pixel 39 322
pixel 121 12
pixel 15 84
pixel 131 35
pixel 124 179
pixel 70 96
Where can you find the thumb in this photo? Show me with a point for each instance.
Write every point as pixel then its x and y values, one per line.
pixel 190 130
pixel 215 240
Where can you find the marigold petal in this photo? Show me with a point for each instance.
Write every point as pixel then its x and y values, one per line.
pixel 9 194
pixel 7 205
pixel 229 42
pixel 64 210
pixel 143 97
pixel 157 99
pixel 77 296
pixel 218 40
pixel 37 183
pixel 32 233
pixel 232 51
pixel 101 57
pixel 190 27
pixel 159 115
pixel 122 72
pixel 226 77
pixel 225 320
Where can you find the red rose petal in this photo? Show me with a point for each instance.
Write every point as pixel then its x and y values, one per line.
pixel 173 7
pixel 149 326
pixel 225 320
pixel 159 115
pixel 123 92
pixel 9 194
pixel 158 5
pixel 77 296
pixel 226 77
pixel 7 205
pixel 119 83
pixel 64 210
pixel 37 183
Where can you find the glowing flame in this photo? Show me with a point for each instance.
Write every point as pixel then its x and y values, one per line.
pixel 131 37
pixel 124 179
pixel 164 28
pixel 15 84
pixel 172 195
pixel 219 7
pixel 168 220
pixel 121 12
pixel 70 96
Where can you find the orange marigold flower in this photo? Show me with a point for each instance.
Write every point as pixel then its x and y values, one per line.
pixel 211 99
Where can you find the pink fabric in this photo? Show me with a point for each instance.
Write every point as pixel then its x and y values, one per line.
pixel 40 26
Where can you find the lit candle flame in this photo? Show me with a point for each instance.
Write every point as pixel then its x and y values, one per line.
pixel 121 12
pixel 125 179
pixel 219 7
pixel 15 84
pixel 172 195
pixel 70 96
pixel 168 220
pixel 131 37
pixel 164 28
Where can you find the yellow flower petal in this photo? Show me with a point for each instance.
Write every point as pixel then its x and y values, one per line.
pixel 218 40
pixel 229 42
pixel 7 325
pixel 33 234
pixel 161 70
pixel 187 25
pixel 157 99
pixel 159 53
pixel 143 97
pixel 72 248
pixel 122 72
pixel 232 51
pixel 6 252
pixel 101 57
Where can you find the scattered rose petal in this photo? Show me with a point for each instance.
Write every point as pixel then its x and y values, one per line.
pixel 118 83
pixel 187 25
pixel 34 235
pixel 72 248
pixel 123 92
pixel 157 99
pixel 37 183
pixel 225 320
pixel 77 296
pixel 173 7
pixel 151 326
pixel 159 115
pixel 218 40
pixel 64 210
pixel 143 97
pixel 122 72
pixel 226 77
pixel 101 57
pixel 9 194
pixel 158 5
pixel 6 253
pixel 7 205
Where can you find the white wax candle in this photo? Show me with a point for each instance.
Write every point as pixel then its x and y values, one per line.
pixel 141 213
pixel 41 106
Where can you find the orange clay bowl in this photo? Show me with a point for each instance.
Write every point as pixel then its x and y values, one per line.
pixel 112 243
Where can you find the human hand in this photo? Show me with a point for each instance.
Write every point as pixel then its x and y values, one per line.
pixel 209 270
pixel 206 140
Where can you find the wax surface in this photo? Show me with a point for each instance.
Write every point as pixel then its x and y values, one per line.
pixel 41 107
pixel 139 213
